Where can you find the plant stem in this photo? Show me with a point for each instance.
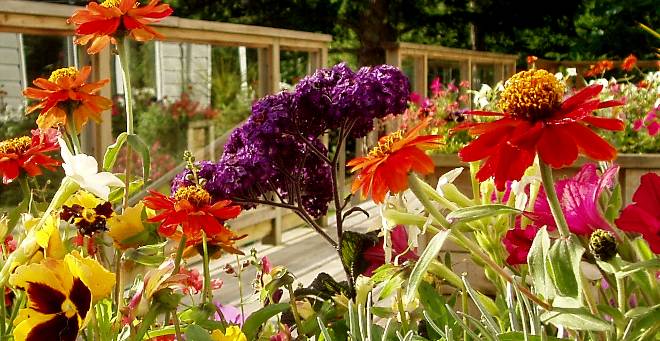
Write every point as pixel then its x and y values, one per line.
pixel 553 200
pixel 294 308
pixel 207 272
pixel 73 133
pixel 179 254
pixel 240 286
pixel 476 192
pixel 148 319
pixel 124 60
pixel 177 326
pixel 402 311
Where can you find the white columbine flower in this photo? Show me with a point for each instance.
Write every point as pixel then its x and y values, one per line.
pixel 571 72
pixel 84 170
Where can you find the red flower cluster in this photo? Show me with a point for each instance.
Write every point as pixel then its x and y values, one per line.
pixel 28 153
pixel 599 68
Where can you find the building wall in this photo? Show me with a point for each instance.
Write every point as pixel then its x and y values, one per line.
pixel 12 73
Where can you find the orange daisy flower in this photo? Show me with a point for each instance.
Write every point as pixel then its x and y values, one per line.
pixel 386 166
pixel 27 153
pixel 629 63
pixel 100 23
pixel 64 90
pixel 192 209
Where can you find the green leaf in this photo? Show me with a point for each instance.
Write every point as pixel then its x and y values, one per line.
pixel 111 153
pixel 564 267
pixel 434 304
pixel 391 285
pixel 429 254
pixel 138 144
pixel 632 268
pixel 149 255
pixel 117 194
pixel 477 298
pixel 576 319
pixel 352 246
pixel 197 333
pixel 467 214
pixel 536 261
pixel 259 317
pixel 614 204
pixel 517 336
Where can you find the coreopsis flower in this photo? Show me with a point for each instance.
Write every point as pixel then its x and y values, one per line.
pixel 629 63
pixel 87 213
pixel 643 215
pixel 579 198
pixel 67 89
pixel 101 24
pixel 231 333
pixel 84 170
pixel 536 121
pixel 192 208
pixel 28 153
pixel 386 166
pixel 60 294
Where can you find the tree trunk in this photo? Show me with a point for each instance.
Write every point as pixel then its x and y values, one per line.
pixel 373 30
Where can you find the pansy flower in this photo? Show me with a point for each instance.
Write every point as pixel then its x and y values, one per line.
pixel 101 23
pixel 28 153
pixel 125 229
pixel 643 215
pixel 386 166
pixel 192 208
pixel 536 121
pixel 60 294
pixel 87 213
pixel 67 89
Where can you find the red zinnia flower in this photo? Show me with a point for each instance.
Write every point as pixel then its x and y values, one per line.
pixel 28 153
pixel 64 90
pixel 599 68
pixel 191 207
pixel 643 216
pixel 387 165
pixel 536 121
pixel 100 23
pixel 629 63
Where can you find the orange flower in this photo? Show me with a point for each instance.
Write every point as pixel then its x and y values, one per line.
pixel 27 153
pixel 64 90
pixel 531 59
pixel 100 23
pixel 599 68
pixel 192 209
pixel 629 63
pixel 387 165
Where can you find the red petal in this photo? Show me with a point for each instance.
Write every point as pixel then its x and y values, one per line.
pixel 590 144
pixel 556 147
pixel 605 123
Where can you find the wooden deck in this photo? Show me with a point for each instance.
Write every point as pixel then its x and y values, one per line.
pixel 302 251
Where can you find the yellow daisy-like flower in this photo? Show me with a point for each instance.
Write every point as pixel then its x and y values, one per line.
pixel 123 228
pixel 60 295
pixel 232 333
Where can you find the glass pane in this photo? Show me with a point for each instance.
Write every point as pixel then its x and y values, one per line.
pixel 482 74
pixel 447 71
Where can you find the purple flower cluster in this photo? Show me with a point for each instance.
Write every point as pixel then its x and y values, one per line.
pixel 278 147
pixel 206 170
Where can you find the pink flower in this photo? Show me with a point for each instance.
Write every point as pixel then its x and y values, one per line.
pixel 436 86
pixel 518 241
pixel 230 314
pixel 653 128
pixel 650 116
pixel 638 124
pixel 416 98
pixel 643 215
pixel 451 87
pixel 375 256
pixel 578 198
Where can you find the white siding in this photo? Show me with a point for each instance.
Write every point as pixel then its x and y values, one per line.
pixel 184 64
pixel 12 75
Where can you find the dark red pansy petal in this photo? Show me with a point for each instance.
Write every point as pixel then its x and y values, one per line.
pixel 81 297
pixel 60 325
pixel 104 210
pixel 45 299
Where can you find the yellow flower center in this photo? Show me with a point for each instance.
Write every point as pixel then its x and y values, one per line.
pixel 16 145
pixel 70 72
pixel 196 195
pixel 88 214
pixel 68 308
pixel 532 94
pixel 110 3
pixel 385 144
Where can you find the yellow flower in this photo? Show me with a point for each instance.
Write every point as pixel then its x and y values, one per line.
pixel 232 333
pixel 126 226
pixel 59 296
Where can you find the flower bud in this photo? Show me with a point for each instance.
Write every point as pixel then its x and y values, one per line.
pixel 602 245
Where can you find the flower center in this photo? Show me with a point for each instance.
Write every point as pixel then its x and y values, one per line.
pixel 68 308
pixel 110 3
pixel 532 94
pixel 16 145
pixel 58 74
pixel 385 144
pixel 196 195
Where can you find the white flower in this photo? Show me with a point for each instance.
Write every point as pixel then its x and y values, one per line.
pixel 84 170
pixel 571 72
pixel 559 76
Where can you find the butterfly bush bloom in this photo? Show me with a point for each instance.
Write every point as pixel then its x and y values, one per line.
pixel 536 121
